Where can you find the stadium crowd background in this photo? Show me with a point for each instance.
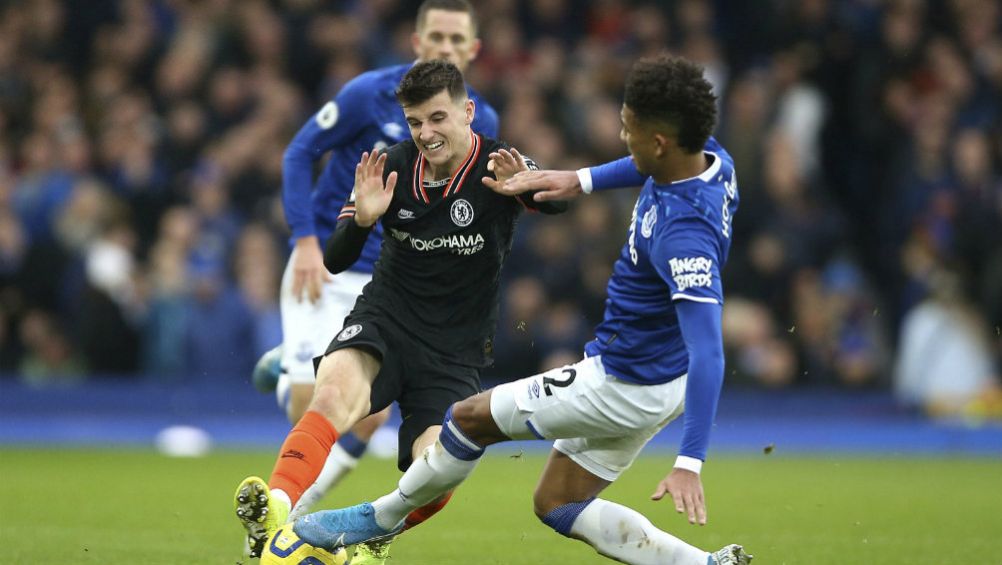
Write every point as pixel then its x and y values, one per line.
pixel 141 142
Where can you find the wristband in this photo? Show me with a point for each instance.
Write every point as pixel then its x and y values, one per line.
pixel 584 177
pixel 688 463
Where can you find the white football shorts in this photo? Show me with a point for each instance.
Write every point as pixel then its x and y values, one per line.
pixel 307 327
pixel 597 420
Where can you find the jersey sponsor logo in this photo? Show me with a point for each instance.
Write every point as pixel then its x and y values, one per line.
pixel 650 218
pixel 405 214
pixel 327 116
pixel 456 244
pixel 349 332
pixel 690 272
pixel 461 212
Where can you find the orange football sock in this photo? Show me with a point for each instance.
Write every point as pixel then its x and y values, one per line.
pixel 421 514
pixel 303 455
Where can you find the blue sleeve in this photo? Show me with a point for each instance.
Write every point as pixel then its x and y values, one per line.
pixel 617 174
pixel 337 123
pixel 701 331
pixel 485 121
pixel 685 255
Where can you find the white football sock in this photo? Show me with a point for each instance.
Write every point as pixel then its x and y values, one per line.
pixel 339 463
pixel 627 536
pixel 430 476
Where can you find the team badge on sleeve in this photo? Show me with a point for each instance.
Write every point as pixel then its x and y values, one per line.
pixel 349 332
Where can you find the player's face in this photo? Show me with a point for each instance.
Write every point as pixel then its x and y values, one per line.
pixel 639 140
pixel 440 126
pixel 448 35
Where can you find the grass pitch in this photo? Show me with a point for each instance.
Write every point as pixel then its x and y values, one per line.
pixel 134 507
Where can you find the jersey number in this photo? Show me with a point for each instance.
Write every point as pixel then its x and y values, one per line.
pixel 547 381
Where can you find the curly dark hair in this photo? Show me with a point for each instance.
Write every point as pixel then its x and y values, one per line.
pixel 426 79
pixel 672 90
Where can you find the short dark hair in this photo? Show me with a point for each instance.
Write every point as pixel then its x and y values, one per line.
pixel 448 6
pixel 427 78
pixel 672 90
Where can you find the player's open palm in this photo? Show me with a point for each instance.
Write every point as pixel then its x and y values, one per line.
pixel 372 196
pixel 504 164
pixel 686 490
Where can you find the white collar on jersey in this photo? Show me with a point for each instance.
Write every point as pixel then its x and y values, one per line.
pixel 709 173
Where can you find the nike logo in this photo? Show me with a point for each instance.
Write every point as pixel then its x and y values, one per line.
pixel 293 453
pixel 405 214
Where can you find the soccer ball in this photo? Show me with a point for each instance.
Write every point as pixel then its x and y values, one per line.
pixel 285 548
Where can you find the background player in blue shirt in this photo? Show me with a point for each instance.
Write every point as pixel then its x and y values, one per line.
pixel 363 116
pixel 658 350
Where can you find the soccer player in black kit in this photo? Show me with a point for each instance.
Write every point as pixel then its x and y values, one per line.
pixel 423 327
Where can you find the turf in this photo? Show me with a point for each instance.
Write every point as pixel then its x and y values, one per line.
pixel 131 507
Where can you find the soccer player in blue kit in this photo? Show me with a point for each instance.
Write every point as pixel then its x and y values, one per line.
pixel 658 351
pixel 363 116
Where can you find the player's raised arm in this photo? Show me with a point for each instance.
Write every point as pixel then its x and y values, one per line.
pixel 370 199
pixel 328 128
pixel 564 185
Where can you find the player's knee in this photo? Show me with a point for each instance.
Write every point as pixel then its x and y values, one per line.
pixel 344 405
pixel 473 417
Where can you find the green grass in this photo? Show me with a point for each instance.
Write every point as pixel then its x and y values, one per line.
pixel 126 507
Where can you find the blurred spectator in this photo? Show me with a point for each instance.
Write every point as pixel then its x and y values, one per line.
pixel 49 357
pixel 111 302
pixel 944 363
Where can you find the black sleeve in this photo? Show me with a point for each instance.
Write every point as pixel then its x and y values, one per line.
pixel 550 207
pixel 345 245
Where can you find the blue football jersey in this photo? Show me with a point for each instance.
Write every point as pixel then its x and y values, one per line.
pixel 678 242
pixel 363 116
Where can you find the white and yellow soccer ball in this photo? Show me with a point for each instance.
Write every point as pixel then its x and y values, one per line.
pixel 285 548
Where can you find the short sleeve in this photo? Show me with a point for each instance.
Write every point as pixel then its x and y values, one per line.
pixel 686 256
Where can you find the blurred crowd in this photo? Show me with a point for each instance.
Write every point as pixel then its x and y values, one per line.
pixel 141 142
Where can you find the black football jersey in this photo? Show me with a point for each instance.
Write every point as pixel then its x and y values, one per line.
pixel 439 268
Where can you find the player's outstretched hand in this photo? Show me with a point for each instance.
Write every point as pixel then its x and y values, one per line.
pixel 504 164
pixel 308 271
pixel 686 490
pixel 372 198
pixel 551 185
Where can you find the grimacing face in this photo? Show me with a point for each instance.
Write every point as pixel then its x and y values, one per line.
pixel 440 126
pixel 446 35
